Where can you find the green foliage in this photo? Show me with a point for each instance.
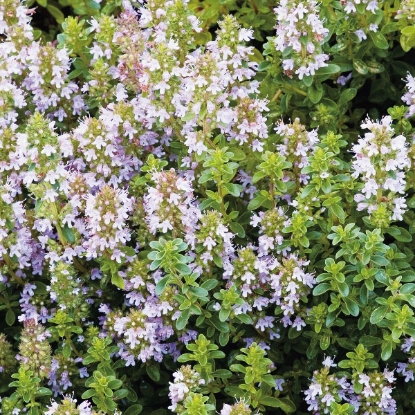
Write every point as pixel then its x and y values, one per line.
pixel 204 353
pixel 288 227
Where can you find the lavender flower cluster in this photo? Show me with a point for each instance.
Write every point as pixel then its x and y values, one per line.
pixel 183 231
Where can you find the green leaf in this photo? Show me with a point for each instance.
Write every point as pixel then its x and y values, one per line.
pixel 133 410
pixel 308 80
pixel 338 211
pixel 10 317
pixel 117 280
pixel 386 350
pixel 42 391
pixel 330 69
pixel 217 354
pixel 321 289
pixel 244 318
pixel 258 176
pixel 379 40
pixel 234 391
pixel 325 341
pixel 237 367
pixel 238 155
pixel 111 405
pixel 233 189
pixel 115 384
pixel 205 177
pixel 256 202
pixel 264 65
pixel 37 33
pixel 400 234
pixel 238 229
pixel 284 404
pixel 185 357
pixel 88 360
pixel 370 285
pixel 183 319
pixel 206 203
pixel 183 268
pixel 304 241
pixel 407 288
pixel 346 343
pixel 270 401
pixel 293 333
pixel 203 110
pixel 198 292
pixel 88 394
pixel 409 298
pixel 158 412
pixel 378 314
pixel 408 30
pixel 382 277
pixel 120 394
pixel 38 205
pixel 222 373
pixel 161 285
pixel 154 265
pixel 360 66
pixel 347 95
pixel 379 260
pixel 344 289
pixel 391 27
pixel 408 276
pixel 351 306
pixel 410 331
pixel 66 350
pixel 315 93
pixel 153 371
pixel 224 314
pixel 69 234
pixel 210 284
pixel 219 325
pixel 56 13
pixel 375 67
pixel 407 42
pixel 42 3
pixel 345 364
pixel 223 339
pixel 287 405
pixel 218 261
pixel 306 191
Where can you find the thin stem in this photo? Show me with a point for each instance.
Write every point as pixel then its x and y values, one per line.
pixel 254 6
pixel 272 193
pixel 84 59
pixel 77 263
pixel 303 52
pixel 79 266
pixel 9 264
pixel 222 204
pixel 206 132
pixel 295 89
pixel 276 96
pixel 332 12
pixel 210 143
pixel 73 347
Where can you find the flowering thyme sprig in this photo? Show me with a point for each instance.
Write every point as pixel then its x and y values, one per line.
pixel 381 159
pixel 300 34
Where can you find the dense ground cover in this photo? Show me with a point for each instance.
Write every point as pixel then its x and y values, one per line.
pixel 207 207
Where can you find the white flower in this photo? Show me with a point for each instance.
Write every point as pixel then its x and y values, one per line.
pixel 329 362
pixel 360 34
pixel 209 243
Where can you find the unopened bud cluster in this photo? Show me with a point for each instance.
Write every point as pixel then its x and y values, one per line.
pixel 34 349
